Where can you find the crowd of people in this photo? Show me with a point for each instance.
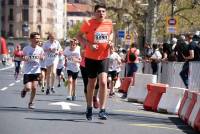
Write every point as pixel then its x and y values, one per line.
pixel 183 48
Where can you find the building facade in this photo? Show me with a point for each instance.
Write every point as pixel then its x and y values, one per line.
pixel 20 17
pixel 77 12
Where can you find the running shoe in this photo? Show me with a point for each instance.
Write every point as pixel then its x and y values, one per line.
pixel 31 106
pixel 124 96
pixel 69 98
pixel 59 85
pixel 111 94
pixel 52 90
pixel 42 89
pixel 73 98
pixel 102 114
pixel 95 102
pixel 47 92
pixel 23 93
pixel 89 113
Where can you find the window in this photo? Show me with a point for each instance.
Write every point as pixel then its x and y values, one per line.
pixel 11 2
pixel 25 2
pixel 71 23
pixel 39 16
pixel 10 18
pixel 39 29
pixel 76 1
pixel 10 32
pixel 25 14
pixel 39 2
pixel 25 29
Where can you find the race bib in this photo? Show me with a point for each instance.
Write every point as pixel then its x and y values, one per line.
pixel 51 55
pixel 101 37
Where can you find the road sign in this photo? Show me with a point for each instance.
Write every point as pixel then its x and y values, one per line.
pixel 128 37
pixel 172 21
pixel 121 34
pixel 171 25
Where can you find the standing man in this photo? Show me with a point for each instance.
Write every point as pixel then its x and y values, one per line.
pixel 192 55
pixel 96 35
pixel 32 54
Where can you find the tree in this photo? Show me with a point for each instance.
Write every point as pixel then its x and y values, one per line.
pixel 73 31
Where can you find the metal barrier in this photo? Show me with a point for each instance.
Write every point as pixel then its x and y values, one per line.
pixel 170 74
pixel 194 76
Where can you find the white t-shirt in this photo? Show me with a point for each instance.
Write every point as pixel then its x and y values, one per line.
pixel 51 57
pixel 156 55
pixel 61 61
pixel 43 64
pixel 71 65
pixel 113 62
pixel 32 66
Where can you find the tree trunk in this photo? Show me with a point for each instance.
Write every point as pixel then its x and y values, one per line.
pixel 151 21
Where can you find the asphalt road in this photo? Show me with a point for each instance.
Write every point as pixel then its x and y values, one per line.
pixel 55 115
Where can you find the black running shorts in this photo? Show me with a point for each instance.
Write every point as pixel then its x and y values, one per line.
pixel 31 77
pixel 95 67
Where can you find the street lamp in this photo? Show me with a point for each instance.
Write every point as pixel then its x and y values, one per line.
pixel 172 14
pixel 173 5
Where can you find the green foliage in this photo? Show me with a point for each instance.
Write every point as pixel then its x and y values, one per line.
pixel 73 31
pixel 187 13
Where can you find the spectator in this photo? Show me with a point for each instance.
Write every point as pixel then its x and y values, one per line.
pixel 155 59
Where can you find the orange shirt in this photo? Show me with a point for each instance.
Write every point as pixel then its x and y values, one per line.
pixel 97 33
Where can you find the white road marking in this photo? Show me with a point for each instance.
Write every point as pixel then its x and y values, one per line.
pixel 2 69
pixel 64 105
pixel 3 89
pixel 12 84
pixel 17 81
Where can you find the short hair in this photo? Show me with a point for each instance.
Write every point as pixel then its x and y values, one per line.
pixel 33 34
pixel 133 45
pixel 155 46
pixel 99 6
pixel 189 36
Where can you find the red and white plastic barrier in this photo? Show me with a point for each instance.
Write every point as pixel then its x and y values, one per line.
pixel 197 121
pixel 125 84
pixel 138 92
pixel 154 95
pixel 194 114
pixel 187 105
pixel 171 100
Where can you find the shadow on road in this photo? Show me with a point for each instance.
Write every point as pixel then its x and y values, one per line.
pixel 70 120
pixel 182 126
